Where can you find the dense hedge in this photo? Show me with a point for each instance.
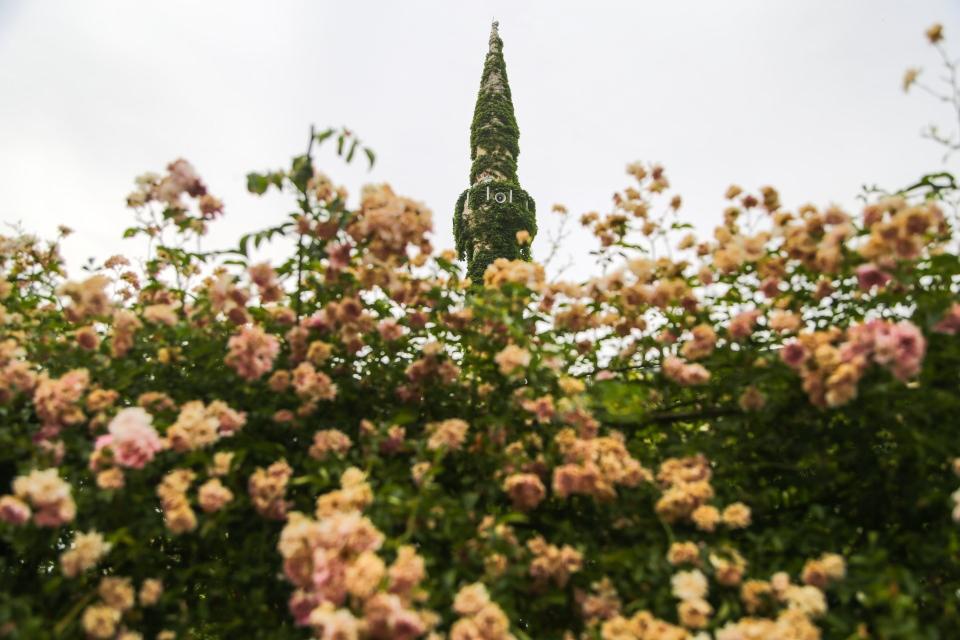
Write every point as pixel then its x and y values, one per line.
pixel 745 437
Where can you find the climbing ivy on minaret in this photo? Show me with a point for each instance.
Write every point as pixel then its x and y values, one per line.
pixel 489 214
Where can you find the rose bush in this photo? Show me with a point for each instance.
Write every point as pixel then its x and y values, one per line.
pixel 734 438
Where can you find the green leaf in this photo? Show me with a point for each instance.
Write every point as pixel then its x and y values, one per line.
pixel 323 135
pixel 257 183
pixel 301 172
pixel 243 244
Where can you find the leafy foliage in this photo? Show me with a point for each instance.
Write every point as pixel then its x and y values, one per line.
pixel 747 434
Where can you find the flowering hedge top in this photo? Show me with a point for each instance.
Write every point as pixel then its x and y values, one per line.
pixel 730 438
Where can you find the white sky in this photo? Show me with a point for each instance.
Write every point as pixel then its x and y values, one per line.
pixel 802 95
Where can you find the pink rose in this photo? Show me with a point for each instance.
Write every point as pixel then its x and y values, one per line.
pixel 742 325
pixel 301 604
pixel 950 322
pixel 793 354
pixel 908 351
pixel 133 439
pixel 252 352
pixel 13 510
pixel 870 275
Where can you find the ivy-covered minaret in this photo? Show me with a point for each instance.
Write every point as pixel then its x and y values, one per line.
pixel 489 214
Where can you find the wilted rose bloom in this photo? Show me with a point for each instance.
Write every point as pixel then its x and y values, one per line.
pixel 542 408
pixel 829 567
pixel 87 338
pixel 794 354
pixel 133 439
pixel 394 441
pixel 870 275
pixel 210 206
pixel 909 77
pixel 752 399
pixel 770 287
pixel 185 178
pixel 950 322
pixel 339 255
pixel 390 330
pixel 252 352
pixel 935 33
pixel 742 325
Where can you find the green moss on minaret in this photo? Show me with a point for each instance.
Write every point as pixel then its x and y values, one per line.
pixel 489 214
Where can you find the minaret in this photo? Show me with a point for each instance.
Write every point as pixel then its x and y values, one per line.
pixel 489 214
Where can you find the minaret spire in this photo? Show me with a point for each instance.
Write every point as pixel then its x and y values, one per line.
pixel 489 214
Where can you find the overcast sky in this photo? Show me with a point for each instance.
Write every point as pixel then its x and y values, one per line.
pixel 802 95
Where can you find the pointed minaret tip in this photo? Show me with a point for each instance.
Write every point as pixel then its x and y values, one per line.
pixel 494 208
